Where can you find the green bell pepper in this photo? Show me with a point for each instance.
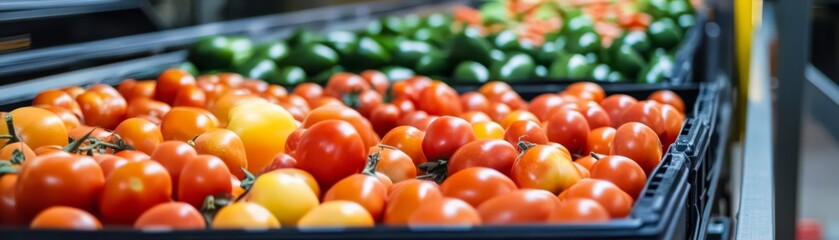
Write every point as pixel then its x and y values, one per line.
pixel 470 72
pixel 435 63
pixel 290 76
pixel 470 45
pixel 517 67
pixel 367 54
pixel 272 50
pixel 665 33
pixel 264 69
pixel 312 57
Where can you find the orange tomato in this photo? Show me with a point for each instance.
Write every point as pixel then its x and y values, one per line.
pixel 668 97
pixel 579 210
pixel 639 143
pixel 170 82
pixel 225 145
pixel 363 189
pixel 311 92
pixel 171 216
pixel 488 130
pixel 244 215
pixel 36 127
pixel 173 155
pixel 58 98
pixel 527 131
pixel 184 123
pixel 622 171
pixel 61 217
pixel 615 200
pixel 570 129
pixel 544 167
pixel 518 207
pixel 444 212
pixel 190 96
pixel 475 185
pixel 147 106
pixel 600 140
pixel 615 105
pixel 473 101
pixel 140 133
pixel 57 180
pixel 475 117
pixel 402 202
pixel 542 105
pixel 70 120
pixel 586 90
pixel 395 164
pixel 409 140
pixel 7 200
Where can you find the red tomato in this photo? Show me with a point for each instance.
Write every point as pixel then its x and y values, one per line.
pixel 363 189
pixel 60 217
pixel 475 185
pixel 494 89
pixel 409 140
pixel 345 83
pixel 403 201
pixel 473 101
pixel 133 155
pixel 444 212
pixel 439 99
pixel 495 154
pixel 110 162
pixel 365 103
pixel 673 121
pixel 7 200
pixel 173 155
pixel 311 92
pixel 474 117
pixel 646 112
pixel 146 106
pixel 395 164
pixel 600 140
pixel 525 206
pixel 410 118
pixel 190 96
pixel 497 111
pixel 444 136
pixel 668 97
pixel 542 105
pixel 586 90
pixel 184 123
pixel 102 110
pixel 204 175
pixel 58 98
pixel 384 118
pixel 639 143
pixel 171 216
pixel 615 105
pixel 570 129
pixel 293 141
pixel 377 80
pixel 615 200
pixel 140 133
pixel 126 87
pixel 57 180
pixel 579 210
pixel 622 171
pixel 282 160
pixel 527 131
pixel 595 115
pixel 276 91
pixel 362 126
pixel 404 104
pixel 544 167
pixel 510 98
pixel 332 143
pixel 141 185
pixel 170 82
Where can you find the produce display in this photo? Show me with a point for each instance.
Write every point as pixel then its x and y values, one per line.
pixel 512 41
pixel 223 151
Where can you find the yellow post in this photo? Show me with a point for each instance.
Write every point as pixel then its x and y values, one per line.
pixel 747 17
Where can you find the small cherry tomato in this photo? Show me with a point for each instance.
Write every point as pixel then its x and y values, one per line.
pixel 423 124
pixel 377 80
pixel 439 99
pixel 225 145
pixel 473 101
pixel 57 180
pixel 140 133
pixel 263 128
pixel 544 167
pixel 141 89
pixel 445 212
pixel 395 164
pixel 61 217
pixel 525 131
pixel 293 141
pixel 488 130
pixel 204 175
pixel 36 127
pixel 362 189
pixel 337 214
pixel 288 198
pixel 173 155
pixel 493 89
pixel 511 99
pixel 668 97
pixel 495 154
pixel 363 102
pixel 184 123
pixel 147 106
pixel 141 185
pixel 517 115
pixel 302 175
pixel 254 85
pixel 444 136
pixel 595 115
pixel 222 107
pixel 542 105
pixel 615 105
pixel 475 185
pixel 311 92
pixel 498 110
pixel 404 104
pixel 600 140
pixel 409 140
pixel 384 118
pixel 58 98
pixel 170 82
pixel 525 206
pixel 332 143
pixel 244 215
pixel 673 121
pixel 586 90
pixel 359 123
pixel 74 91
pixel 344 83
pixel 190 96
pixel 622 171
pixel 7 151
pixel 402 202
pixel 133 155
pixel 570 129
pixel 639 143
pixel 615 200
pixel 110 162
pixel 475 117
pixel 646 112
pixel 171 216
pixel 282 160
pixel 579 210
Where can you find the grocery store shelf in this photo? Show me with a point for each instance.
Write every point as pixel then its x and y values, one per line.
pixel 754 212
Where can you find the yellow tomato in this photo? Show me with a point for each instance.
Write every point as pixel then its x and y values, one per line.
pixel 488 130
pixel 302 175
pixel 263 128
pixel 36 127
pixel 287 197
pixel 245 215
pixel 338 213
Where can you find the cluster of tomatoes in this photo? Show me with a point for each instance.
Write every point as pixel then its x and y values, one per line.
pixel 221 151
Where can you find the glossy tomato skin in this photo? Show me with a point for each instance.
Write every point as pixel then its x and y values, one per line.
pixel 57 180
pixel 495 154
pixel 487 130
pixel 70 120
pixel 170 82
pixel 282 160
pixel 409 140
pixel 475 185
pixel 673 121
pixel 173 155
pixel 332 143
pixel 293 141
pixel 110 162
pixel 595 115
pixel 406 197
pixel 60 217
pixel 148 107
pixel 311 92
pixel 7 200
pixel 525 206
pixel 404 104
pixel 362 189
pixel 395 164
pixel 377 80
pixel 184 123
pixel 339 213
pixel 190 96
pixel 361 124
pixel 600 140
pixel 245 215
pixel 615 200
pixel 133 155
pixel 639 143
pixel 544 167
pixel 476 117
pixel 204 175
pixel 301 175
pixel 345 83
pixel 526 131
pixel 287 197
pixel 36 127
pixel 141 185
pixel 445 212
pixel 263 128
pixel 384 118
pixel 579 210
pixel 58 98
pixel 498 110
pixel 439 99
pixel 570 129
pixel 648 113
pixel 668 97
pixel 444 136
pixel 494 89
pixel 7 151
pixel 222 107
pixel 542 105
pixel 102 109
pixel 615 105
pixel 140 133
pixel 587 161
pixel 473 101
pixel 623 172
pixel 225 145
pixel 586 90
pixel 171 216
pixel 510 98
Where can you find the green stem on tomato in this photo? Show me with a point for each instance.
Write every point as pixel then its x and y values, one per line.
pixel 246 184
pixel 10 127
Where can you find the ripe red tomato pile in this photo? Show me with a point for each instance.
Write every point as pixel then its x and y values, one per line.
pixel 221 151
